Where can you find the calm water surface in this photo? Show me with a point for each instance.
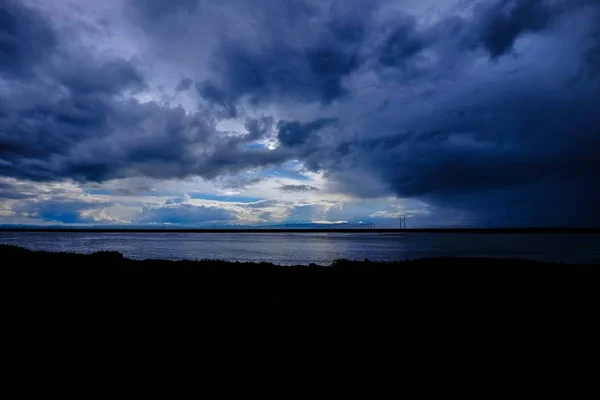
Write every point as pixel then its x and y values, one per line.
pixel 320 248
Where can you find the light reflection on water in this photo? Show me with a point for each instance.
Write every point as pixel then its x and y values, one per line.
pixel 320 248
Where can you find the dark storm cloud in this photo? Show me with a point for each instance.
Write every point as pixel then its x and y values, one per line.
pixel 307 70
pixel 502 22
pixel 259 128
pixel 432 110
pixel 303 51
pixel 26 38
pixel 262 75
pixel 184 85
pixel 295 133
pixel 529 162
pixel 350 31
pixel 89 135
pixel 524 154
pixel 298 188
pixel 111 77
pixel 403 43
pixel 74 123
pixel 592 58
pixel 152 11
pixel 217 97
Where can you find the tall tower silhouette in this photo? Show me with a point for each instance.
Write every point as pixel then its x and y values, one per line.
pixel 402 221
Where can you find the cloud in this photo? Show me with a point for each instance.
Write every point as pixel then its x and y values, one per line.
pixel 59 210
pixel 295 133
pixel 304 75
pixel 151 12
pixel 218 97
pixel 83 121
pixel 115 214
pixel 500 23
pixel 298 188
pixel 184 85
pixel 479 108
pixel 259 128
pixel 300 50
pixel 84 117
pixel 8 190
pixel 185 214
pixel 403 43
pixel 26 39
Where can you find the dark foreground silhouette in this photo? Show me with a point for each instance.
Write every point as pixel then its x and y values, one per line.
pixel 436 304
pixel 413 281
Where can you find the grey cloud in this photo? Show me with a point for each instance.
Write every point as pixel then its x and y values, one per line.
pixel 493 26
pixel 303 75
pixel 306 213
pixel 295 133
pixel 263 204
pixel 531 163
pixel 218 97
pixel 348 31
pixel 151 12
pixel 26 39
pixel 75 123
pixel 431 111
pixel 19 190
pixel 403 43
pixel 298 188
pixel 502 22
pixel 94 136
pixel 185 214
pixel 236 181
pixel 259 128
pixel 58 209
pixel 8 192
pixel 591 68
pixel 178 200
pixel 111 77
pixel 303 51
pixel 184 85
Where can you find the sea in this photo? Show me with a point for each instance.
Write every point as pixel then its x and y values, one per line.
pixel 319 248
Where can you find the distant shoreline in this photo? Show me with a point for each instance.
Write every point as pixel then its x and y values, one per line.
pixel 313 230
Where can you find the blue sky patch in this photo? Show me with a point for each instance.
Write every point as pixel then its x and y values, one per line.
pixel 255 146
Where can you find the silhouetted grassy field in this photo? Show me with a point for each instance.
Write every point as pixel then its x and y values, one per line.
pixel 431 296
pixel 446 275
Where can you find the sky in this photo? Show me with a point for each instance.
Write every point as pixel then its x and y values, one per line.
pixel 456 113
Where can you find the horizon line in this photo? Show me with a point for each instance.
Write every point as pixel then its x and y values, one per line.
pixel 306 230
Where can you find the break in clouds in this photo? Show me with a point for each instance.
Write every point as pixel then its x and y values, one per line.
pixel 468 112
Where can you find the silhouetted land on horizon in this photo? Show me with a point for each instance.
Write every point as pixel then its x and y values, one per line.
pixel 323 230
